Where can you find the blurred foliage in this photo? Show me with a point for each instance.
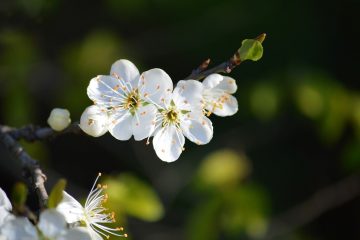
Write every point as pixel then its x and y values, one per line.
pixel 19 196
pixel 130 195
pixel 230 205
pixel 56 194
pixel 298 119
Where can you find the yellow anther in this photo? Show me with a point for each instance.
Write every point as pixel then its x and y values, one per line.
pixel 125 235
pixel 99 174
pixel 98 186
pixel 104 186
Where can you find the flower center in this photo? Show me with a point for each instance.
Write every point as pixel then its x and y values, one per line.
pixel 171 116
pixel 132 101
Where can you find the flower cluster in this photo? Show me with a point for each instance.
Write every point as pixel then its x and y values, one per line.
pixel 89 222
pixel 127 103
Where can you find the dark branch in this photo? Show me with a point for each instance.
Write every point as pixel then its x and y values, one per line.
pixel 321 202
pixel 225 67
pixel 36 177
pixel 33 133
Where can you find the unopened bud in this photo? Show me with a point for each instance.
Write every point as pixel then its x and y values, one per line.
pixel 59 119
pixel 94 121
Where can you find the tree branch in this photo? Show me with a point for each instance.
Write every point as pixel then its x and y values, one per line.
pixel 225 67
pixel 33 173
pixel 33 133
pixel 321 202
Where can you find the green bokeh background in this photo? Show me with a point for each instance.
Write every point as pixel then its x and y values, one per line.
pixel 297 129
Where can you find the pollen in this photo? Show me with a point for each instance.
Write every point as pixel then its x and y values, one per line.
pixel 116 87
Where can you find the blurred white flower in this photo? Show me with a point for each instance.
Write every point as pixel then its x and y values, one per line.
pixel 19 228
pixel 217 95
pixel 59 119
pixel 51 226
pixel 130 98
pixel 181 114
pixel 5 208
pixel 94 121
pixel 92 215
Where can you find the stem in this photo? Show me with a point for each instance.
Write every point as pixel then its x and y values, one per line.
pixel 225 67
pixel 33 173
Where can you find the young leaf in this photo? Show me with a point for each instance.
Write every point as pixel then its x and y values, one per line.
pixel 251 49
pixel 56 194
pixel 19 195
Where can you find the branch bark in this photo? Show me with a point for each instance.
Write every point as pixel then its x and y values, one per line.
pixel 225 67
pixel 36 178
pixel 33 133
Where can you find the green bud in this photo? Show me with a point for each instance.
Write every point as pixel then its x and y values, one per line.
pixel 251 49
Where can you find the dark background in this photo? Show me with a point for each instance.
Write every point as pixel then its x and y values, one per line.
pixel 297 130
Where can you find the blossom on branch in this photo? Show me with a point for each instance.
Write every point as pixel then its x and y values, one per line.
pixel 217 95
pixel 92 215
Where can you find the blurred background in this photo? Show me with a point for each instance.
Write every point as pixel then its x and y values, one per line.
pixel 283 167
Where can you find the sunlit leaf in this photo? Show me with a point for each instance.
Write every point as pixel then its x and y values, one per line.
pixel 132 196
pixel 56 194
pixel 223 168
pixel 250 49
pixel 19 195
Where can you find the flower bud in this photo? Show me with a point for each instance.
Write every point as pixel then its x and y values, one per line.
pixel 94 121
pixel 59 119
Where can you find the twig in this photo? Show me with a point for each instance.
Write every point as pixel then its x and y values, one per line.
pixel 225 67
pixel 322 201
pixel 33 133
pixel 32 169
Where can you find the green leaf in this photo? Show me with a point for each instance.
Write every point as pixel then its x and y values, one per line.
pixel 19 195
pixel 56 194
pixel 251 49
pixel 130 195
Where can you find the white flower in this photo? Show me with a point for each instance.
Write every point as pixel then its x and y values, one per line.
pixel 217 95
pixel 92 215
pixel 130 98
pixel 59 119
pixel 94 121
pixel 5 208
pixel 19 228
pixel 52 225
pixel 181 114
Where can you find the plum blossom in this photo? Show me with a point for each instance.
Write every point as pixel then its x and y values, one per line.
pixel 130 103
pixel 92 215
pixel 180 114
pixel 217 95
pixel 51 226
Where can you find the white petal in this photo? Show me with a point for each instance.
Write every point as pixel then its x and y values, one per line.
pixel 155 85
pixel 197 128
pixel 120 125
pixel 217 81
pixel 94 121
pixel 79 233
pixel 126 70
pixel 168 143
pixel 70 208
pixel 143 124
pixel 4 201
pixel 212 80
pixel 188 95
pixel 51 223
pixel 228 107
pixel 107 90
pixel 228 84
pixel 5 216
pixel 19 228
